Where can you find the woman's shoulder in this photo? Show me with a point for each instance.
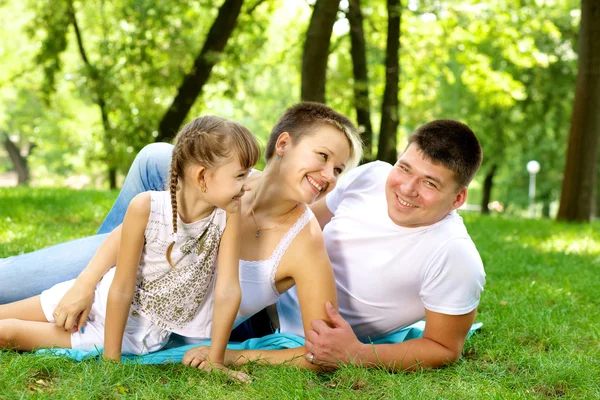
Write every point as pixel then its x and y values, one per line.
pixel 309 241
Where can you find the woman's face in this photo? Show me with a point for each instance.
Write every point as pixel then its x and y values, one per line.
pixel 312 165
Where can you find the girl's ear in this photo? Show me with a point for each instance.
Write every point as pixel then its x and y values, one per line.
pixel 200 175
pixel 283 141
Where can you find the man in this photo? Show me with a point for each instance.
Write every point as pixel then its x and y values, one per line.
pixel 400 253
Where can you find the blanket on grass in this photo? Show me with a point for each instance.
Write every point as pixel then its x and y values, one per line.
pixel 174 351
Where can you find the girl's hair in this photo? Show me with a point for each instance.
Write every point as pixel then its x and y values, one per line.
pixel 302 120
pixel 208 141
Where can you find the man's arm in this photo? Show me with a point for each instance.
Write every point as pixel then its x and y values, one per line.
pixel 441 344
pixel 321 212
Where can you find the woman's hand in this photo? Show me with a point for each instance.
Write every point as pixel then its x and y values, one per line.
pixel 193 357
pixel 198 358
pixel 73 309
pixel 208 366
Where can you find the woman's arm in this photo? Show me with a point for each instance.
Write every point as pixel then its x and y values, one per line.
pixel 122 288
pixel 74 307
pixel 307 263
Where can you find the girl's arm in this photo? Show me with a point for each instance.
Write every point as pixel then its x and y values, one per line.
pixel 122 288
pixel 75 305
pixel 227 293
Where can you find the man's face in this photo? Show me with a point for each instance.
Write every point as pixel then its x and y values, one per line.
pixel 419 192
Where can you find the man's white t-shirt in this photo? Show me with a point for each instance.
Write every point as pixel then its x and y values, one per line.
pixel 387 275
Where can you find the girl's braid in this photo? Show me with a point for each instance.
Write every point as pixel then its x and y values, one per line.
pixel 173 179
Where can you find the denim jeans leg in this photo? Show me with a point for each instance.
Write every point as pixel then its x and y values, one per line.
pixel 29 274
pixel 149 171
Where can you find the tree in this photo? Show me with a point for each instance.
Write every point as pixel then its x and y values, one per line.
pixel 388 131
pixel 316 50
pixel 19 160
pixel 100 93
pixel 577 196
pixel 194 80
pixel 361 79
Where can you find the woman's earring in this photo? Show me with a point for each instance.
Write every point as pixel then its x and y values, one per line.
pixel 279 156
pixel 203 187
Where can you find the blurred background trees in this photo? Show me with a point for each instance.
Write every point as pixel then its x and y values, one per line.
pixel 85 85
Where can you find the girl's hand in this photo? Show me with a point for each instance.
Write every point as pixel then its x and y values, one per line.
pixel 194 357
pixel 73 309
pixel 207 366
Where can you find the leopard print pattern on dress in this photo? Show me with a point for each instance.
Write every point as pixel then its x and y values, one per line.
pixel 173 299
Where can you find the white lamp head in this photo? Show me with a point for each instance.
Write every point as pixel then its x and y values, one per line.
pixel 533 167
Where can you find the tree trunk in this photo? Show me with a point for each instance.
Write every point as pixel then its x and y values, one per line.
pixel 316 50
pixel 108 146
pixel 194 81
pixel 487 189
pixel 361 79
pixel 99 98
pixel 546 208
pixel 577 196
pixel 112 177
pixel 596 210
pixel 19 162
pixel 389 110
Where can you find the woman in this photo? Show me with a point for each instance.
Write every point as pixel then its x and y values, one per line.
pixel 282 244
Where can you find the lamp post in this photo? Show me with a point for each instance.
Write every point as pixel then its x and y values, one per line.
pixel 533 167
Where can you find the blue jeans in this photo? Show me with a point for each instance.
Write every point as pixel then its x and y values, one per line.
pixel 29 274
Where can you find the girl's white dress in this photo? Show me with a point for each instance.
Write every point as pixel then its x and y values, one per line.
pixel 166 300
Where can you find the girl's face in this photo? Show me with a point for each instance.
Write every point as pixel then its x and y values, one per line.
pixel 312 165
pixel 226 184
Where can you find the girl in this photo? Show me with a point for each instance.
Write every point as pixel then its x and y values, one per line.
pixel 163 280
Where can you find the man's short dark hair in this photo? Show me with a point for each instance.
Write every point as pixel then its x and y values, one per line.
pixel 452 144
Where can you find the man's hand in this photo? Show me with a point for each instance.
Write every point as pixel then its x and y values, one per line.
pixel 332 346
pixel 73 309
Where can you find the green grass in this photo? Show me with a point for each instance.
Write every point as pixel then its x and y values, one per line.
pixel 540 339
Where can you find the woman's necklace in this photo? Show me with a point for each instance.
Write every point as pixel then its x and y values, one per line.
pixel 258 229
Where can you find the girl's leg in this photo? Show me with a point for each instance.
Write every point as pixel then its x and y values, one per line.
pixel 29 274
pixel 31 330
pixel 29 310
pixel 28 335
pixel 149 171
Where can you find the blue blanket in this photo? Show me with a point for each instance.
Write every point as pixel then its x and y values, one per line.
pixel 174 352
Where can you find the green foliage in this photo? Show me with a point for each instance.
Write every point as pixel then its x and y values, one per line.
pixel 50 26
pixel 539 308
pixel 506 68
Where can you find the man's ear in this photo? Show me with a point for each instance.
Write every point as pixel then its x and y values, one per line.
pixel 283 141
pixel 460 199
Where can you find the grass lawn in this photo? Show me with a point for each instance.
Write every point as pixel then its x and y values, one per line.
pixel 540 309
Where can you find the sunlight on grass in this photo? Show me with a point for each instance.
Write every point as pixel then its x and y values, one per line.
pixel 569 245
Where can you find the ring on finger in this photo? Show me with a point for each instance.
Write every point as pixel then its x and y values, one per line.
pixel 311 358
pixel 56 314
